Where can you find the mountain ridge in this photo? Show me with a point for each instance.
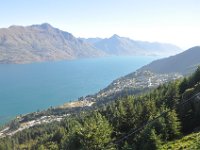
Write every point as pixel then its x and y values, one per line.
pixel 43 42
pixel 35 43
pixel 184 63
pixel 116 45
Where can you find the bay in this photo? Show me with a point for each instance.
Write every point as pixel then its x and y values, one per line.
pixel 27 88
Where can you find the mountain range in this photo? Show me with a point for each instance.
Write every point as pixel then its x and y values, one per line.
pixel 117 45
pixel 35 43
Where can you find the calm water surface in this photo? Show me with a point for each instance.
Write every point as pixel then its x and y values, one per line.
pixel 28 87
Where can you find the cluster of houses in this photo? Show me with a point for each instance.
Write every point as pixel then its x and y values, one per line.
pixel 138 80
pixel 25 125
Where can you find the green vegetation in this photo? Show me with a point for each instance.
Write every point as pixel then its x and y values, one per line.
pixel 147 121
pixel 190 142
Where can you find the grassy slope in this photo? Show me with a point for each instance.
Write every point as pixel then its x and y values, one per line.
pixel 188 142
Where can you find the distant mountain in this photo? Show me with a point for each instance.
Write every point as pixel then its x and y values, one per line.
pixel 43 42
pixel 92 40
pixel 117 45
pixel 35 43
pixel 184 63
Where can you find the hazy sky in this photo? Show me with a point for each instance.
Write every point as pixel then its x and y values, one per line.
pixel 171 21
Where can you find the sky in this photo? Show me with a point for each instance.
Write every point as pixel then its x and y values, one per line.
pixel 168 21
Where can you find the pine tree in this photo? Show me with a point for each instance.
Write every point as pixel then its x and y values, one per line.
pixel 96 132
pixel 173 124
pixel 183 85
pixel 150 140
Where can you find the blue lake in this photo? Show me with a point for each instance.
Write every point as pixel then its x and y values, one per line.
pixel 26 88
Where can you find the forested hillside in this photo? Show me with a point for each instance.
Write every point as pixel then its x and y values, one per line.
pixel 144 122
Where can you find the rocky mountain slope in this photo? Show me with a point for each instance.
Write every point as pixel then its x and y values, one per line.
pixel 43 42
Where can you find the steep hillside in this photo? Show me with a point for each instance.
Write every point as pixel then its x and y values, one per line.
pixel 183 63
pixel 117 45
pixel 43 42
